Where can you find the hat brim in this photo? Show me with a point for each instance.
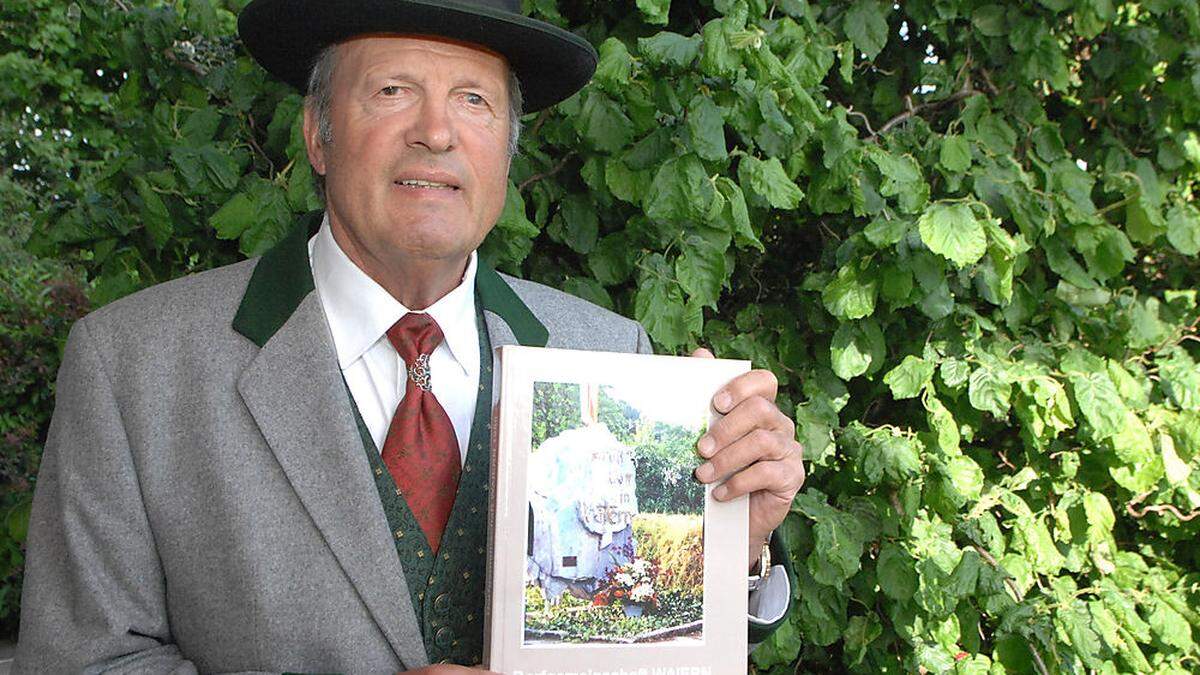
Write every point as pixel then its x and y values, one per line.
pixel 285 36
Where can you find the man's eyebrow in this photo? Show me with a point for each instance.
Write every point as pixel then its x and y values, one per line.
pixel 475 83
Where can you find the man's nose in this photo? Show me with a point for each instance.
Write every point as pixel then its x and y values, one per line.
pixel 433 127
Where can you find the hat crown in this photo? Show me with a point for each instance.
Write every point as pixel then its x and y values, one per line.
pixel 551 63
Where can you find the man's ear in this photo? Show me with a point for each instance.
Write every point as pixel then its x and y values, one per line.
pixel 313 143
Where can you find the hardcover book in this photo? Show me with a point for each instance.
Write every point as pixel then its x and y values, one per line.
pixel 606 556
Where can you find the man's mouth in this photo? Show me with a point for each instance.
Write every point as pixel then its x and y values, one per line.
pixel 428 184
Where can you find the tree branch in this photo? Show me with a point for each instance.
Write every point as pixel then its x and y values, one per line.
pixel 1012 586
pixel 254 144
pixel 913 110
pixel 545 174
pixel 539 121
pixel 170 54
pixel 867 122
pixel 1133 511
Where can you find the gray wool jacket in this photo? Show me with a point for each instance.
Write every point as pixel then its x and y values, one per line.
pixel 204 503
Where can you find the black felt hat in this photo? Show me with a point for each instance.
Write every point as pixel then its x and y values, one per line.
pixel 285 36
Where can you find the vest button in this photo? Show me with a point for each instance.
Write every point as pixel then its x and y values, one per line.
pixel 443 637
pixel 441 603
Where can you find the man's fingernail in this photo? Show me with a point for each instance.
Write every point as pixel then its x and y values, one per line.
pixel 705 472
pixel 705 445
pixel 720 493
pixel 722 400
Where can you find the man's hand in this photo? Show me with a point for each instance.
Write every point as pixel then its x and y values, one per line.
pixel 755 445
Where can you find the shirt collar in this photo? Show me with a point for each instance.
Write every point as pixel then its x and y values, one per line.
pixel 360 311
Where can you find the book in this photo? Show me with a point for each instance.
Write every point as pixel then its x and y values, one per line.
pixel 606 556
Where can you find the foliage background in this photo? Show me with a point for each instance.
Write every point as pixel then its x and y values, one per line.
pixel 962 233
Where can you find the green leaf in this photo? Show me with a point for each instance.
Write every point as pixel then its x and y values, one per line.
pixel 954 372
pixel 667 48
pixel 943 424
pixel 736 215
pixel 220 167
pixel 615 66
pixel 200 126
pixel 965 477
pixel 857 348
pixel 1180 377
pixel 901 178
pixel 1183 228
pixel 658 305
pixel 767 179
pixel 989 20
pixel 1034 539
pixel 511 240
pixel 965 577
pixel 1099 402
pixel 886 231
pixel 701 268
pixel 707 127
pixel 232 219
pixel 603 123
pixel 1176 470
pixel 1169 626
pixel 625 183
pixel 990 390
pixel 851 295
pixel 1146 328
pixel 997 136
pixel 955 154
pixel 860 632
pixel 155 216
pixel 845 53
pixel 1144 221
pixel 610 261
pixel 889 454
pixel 866 25
pixel 1077 623
pixel 910 377
pixel 896 572
pixel 17 520
pixel 1047 62
pixel 896 285
pixel 272 219
pixel 680 191
pixel 838 540
pixel 581 224
pixel 717 57
pixel 951 230
pixel 655 11
pixel 781 647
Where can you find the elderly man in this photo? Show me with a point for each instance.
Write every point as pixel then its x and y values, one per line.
pixel 282 465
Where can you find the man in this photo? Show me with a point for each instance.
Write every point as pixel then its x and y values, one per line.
pixel 241 475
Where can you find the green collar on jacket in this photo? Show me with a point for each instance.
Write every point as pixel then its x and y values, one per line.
pixel 283 278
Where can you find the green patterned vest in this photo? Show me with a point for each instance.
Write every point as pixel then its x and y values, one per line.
pixel 447 589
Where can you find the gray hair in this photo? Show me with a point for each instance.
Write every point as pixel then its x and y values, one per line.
pixel 320 99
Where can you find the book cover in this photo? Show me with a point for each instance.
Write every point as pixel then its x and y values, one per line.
pixel 606 556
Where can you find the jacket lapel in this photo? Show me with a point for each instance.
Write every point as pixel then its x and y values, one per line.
pixel 509 320
pixel 295 392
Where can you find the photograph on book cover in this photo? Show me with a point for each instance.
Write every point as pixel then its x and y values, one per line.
pixel 626 560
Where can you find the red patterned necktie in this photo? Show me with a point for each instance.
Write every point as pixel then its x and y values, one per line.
pixel 421 450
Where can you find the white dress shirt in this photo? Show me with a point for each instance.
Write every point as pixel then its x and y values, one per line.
pixel 360 311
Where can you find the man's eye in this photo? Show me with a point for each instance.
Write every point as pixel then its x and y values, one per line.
pixel 390 90
pixel 473 99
